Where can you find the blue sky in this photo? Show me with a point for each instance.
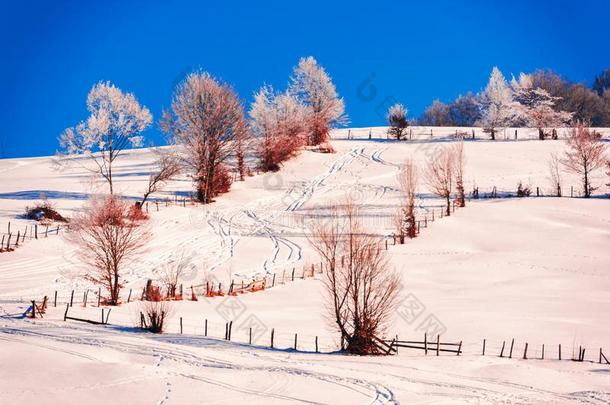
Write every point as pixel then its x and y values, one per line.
pixel 412 52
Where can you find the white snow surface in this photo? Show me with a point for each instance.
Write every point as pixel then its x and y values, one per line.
pixel 535 270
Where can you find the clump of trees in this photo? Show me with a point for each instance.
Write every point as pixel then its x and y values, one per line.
pixel 108 238
pixel 542 99
pixel 361 288
pixel 207 120
pixel 536 106
pixel 397 121
pixel 115 122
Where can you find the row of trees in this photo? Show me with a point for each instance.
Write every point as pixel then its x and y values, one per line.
pixel 213 135
pixel 542 100
pixel 208 122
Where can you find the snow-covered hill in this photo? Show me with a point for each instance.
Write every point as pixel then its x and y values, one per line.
pixel 535 270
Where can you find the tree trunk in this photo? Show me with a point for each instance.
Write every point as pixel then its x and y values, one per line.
pixel 448 212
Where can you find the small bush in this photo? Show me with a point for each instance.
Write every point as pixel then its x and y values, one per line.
pixel 523 191
pixel 136 213
pixel 154 315
pixel 43 211
pixel 222 180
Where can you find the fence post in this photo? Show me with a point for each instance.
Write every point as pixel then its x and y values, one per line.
pixel 66 313
pixel 250 336
pixel 33 309
pixel 230 329
pixel 272 283
pixel 426 343
pixel 102 316
pixel 295 341
pixel 71 297
pixel 512 343
pixel 205 328
pixel 483 347
pixel 525 352
pixel 502 351
pixel 293 274
pixel 559 351
pixel 181 325
pixel 459 348
pixel 36 231
pixel 543 351
pixel 17 241
pixel 129 296
pixel 272 331
pixel 55 300
pixel 600 350
pixel 99 296
pixel 438 344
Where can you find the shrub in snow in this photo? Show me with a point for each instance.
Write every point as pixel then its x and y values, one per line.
pixel 154 315
pixel 523 191
pixel 115 122
pixel 43 211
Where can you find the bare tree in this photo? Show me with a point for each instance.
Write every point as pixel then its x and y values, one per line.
pixel 107 239
pixel 584 155
pixel 207 120
pixel 555 174
pixel 397 119
pixel 166 169
pixel 439 175
pixel 405 217
pixel 115 123
pixel 171 274
pixel 459 162
pixel 361 287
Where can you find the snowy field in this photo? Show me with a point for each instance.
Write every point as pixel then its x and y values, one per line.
pixel 532 269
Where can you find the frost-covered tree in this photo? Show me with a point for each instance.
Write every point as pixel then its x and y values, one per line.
pixel 584 155
pixel 437 115
pixel 278 122
pixel 397 120
pixel 115 122
pixel 207 120
pixel 537 106
pixel 465 111
pixel 498 108
pixel 313 87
